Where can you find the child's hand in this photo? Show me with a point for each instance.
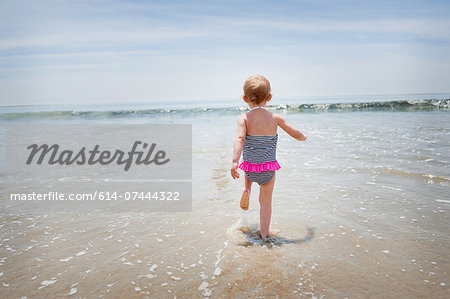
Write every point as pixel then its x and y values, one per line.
pixel 234 172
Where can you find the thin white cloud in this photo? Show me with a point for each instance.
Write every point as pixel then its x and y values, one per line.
pixel 59 67
pixel 92 38
pixel 84 54
pixel 420 27
pixel 231 28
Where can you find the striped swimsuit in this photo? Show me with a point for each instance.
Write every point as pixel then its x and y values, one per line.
pixel 259 157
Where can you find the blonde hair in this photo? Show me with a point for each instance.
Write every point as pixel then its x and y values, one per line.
pixel 257 89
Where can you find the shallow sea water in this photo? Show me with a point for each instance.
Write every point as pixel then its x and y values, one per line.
pixel 360 210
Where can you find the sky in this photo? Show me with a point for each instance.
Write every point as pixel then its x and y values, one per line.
pixel 65 52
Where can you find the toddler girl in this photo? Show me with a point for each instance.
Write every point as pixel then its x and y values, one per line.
pixel 257 138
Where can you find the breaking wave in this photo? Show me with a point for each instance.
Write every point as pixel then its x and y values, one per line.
pixel 398 105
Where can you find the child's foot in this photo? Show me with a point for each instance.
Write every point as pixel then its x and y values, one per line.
pixel 271 234
pixel 269 240
pixel 245 200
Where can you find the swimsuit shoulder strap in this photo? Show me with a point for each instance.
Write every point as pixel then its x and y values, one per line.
pixel 262 107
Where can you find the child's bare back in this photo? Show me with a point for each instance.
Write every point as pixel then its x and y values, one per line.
pixel 260 122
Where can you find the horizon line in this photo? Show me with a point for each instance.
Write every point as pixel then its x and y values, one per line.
pixel 213 99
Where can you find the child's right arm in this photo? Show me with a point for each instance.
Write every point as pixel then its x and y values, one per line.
pixel 238 146
pixel 288 128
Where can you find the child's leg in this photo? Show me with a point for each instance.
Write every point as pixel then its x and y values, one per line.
pixel 265 202
pixel 245 198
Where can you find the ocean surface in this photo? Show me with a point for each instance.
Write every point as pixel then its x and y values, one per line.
pixel 360 210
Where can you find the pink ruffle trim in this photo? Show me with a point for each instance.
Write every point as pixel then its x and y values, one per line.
pixel 250 167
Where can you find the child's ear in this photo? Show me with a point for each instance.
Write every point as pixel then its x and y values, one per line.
pixel 269 97
pixel 245 98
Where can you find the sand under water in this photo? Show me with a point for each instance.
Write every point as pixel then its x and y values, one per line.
pixel 360 210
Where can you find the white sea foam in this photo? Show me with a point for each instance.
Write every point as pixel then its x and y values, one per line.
pixel 72 291
pixel 66 259
pixel 442 200
pixel 47 283
pixel 203 286
pixel 152 268
pixel 81 253
pixel 391 188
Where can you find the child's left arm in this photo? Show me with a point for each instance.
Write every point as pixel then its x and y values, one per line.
pixel 238 145
pixel 288 128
